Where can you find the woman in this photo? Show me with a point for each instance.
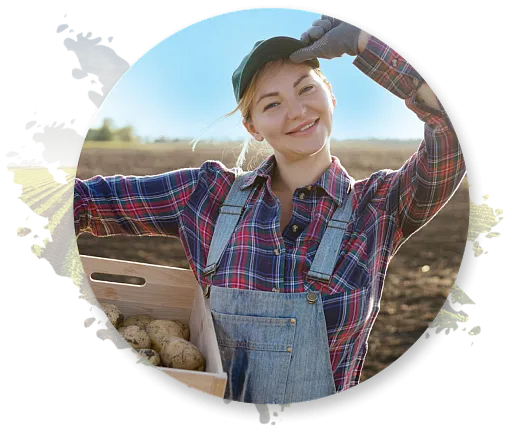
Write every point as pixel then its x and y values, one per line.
pixel 293 254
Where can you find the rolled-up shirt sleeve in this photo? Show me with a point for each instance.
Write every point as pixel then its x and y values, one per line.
pixel 133 205
pixel 417 191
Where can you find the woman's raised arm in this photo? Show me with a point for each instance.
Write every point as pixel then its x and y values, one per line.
pixel 427 180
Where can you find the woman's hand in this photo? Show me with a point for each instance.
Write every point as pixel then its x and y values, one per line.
pixel 330 38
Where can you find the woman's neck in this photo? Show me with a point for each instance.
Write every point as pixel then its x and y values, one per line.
pixel 292 174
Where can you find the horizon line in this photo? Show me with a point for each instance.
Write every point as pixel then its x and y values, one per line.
pixel 185 139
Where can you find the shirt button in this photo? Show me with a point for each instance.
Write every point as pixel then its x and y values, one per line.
pixel 275 289
pixel 394 62
pixel 302 195
pixel 309 187
pixel 289 349
pixel 294 228
pixel 277 251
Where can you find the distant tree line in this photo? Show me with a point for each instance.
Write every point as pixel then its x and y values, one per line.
pixel 107 132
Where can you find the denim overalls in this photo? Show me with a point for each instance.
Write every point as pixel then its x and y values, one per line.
pixel 274 346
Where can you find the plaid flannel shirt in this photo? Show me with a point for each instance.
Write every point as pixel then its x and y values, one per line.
pixel 389 206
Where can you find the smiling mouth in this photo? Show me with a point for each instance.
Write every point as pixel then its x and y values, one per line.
pixel 305 128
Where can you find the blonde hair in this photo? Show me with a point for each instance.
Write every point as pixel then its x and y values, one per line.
pixel 246 101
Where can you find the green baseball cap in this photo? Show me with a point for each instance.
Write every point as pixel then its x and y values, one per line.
pixel 264 51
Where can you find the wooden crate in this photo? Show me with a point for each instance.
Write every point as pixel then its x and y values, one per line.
pixel 168 293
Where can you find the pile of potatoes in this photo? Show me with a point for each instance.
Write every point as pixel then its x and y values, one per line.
pixel 162 342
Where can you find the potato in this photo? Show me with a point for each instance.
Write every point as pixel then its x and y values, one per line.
pixel 177 352
pixel 114 315
pixel 163 328
pixel 140 320
pixel 151 355
pixel 136 337
pixel 185 330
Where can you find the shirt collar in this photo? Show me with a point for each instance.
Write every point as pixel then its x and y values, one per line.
pixel 335 181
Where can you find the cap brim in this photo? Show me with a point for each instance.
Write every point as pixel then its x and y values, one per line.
pixel 270 50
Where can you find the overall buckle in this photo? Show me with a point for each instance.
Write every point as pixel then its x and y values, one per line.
pixel 209 270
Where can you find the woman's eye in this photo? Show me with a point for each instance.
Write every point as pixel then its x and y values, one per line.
pixel 305 89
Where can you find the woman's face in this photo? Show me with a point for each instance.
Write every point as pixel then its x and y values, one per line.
pixel 292 110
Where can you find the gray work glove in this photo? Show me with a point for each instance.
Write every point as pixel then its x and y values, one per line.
pixel 328 38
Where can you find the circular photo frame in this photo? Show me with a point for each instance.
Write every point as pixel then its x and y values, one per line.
pixel 247 191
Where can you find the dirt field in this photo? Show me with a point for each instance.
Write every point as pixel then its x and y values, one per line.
pixel 411 297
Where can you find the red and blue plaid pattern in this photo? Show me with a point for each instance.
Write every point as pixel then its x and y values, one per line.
pixel 389 206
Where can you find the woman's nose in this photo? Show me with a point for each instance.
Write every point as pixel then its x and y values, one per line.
pixel 296 109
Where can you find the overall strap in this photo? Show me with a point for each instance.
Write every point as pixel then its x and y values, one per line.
pixel 227 220
pixel 327 254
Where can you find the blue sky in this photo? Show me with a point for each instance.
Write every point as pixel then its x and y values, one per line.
pixel 183 84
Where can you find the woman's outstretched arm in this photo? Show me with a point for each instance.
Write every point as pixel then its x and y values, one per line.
pixel 133 205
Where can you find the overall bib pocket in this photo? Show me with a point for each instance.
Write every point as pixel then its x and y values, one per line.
pixel 256 354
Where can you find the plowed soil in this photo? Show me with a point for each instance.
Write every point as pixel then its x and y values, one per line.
pixel 413 294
